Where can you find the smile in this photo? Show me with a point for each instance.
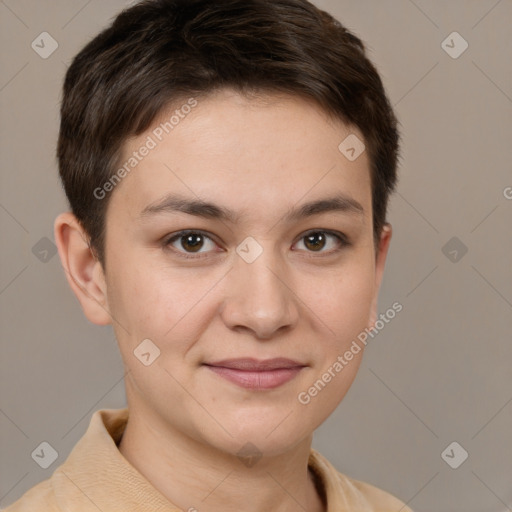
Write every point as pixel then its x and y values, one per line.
pixel 253 374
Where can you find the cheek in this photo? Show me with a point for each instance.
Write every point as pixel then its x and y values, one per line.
pixel 343 303
pixel 158 303
pixel 342 299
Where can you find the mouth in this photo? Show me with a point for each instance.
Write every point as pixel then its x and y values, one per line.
pixel 254 374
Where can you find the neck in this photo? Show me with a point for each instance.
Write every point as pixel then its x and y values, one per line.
pixel 198 478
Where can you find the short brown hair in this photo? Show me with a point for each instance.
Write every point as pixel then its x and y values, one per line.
pixel 159 52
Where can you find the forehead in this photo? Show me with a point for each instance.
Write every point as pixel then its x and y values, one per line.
pixel 253 152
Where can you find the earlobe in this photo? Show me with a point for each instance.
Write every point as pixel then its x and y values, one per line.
pixel 380 263
pixel 83 271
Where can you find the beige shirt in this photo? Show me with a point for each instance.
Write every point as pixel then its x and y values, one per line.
pixel 96 477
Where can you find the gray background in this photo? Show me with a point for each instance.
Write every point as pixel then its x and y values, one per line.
pixel 439 372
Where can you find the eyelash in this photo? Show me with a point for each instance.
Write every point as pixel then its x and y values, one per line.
pixel 341 239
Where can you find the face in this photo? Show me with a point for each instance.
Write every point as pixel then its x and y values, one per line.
pixel 242 247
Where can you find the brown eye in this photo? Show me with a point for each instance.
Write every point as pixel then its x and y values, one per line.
pixel 192 242
pixel 323 242
pixel 315 241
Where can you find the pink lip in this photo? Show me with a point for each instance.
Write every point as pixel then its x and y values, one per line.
pixel 254 374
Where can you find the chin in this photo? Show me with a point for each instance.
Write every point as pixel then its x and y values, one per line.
pixel 269 433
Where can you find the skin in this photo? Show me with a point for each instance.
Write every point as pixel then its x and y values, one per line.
pixel 260 157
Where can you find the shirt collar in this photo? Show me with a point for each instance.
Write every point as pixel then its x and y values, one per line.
pixel 96 476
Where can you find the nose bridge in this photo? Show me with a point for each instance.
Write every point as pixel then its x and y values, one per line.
pixel 258 298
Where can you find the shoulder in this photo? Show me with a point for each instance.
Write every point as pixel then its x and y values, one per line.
pixel 39 498
pixel 378 500
pixel 346 493
pixel 51 495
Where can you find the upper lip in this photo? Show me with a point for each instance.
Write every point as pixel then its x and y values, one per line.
pixel 255 365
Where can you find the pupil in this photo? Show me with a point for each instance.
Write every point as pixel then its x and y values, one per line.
pixel 194 242
pixel 315 241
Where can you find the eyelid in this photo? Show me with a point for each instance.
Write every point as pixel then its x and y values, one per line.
pixel 337 234
pixel 169 238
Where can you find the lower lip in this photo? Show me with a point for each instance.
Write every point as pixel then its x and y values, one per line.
pixel 268 379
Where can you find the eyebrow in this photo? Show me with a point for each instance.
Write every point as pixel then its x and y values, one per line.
pixel 173 203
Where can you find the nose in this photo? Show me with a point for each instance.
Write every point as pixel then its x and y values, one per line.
pixel 259 298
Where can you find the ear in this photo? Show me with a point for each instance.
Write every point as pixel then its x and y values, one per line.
pixel 382 252
pixel 83 271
